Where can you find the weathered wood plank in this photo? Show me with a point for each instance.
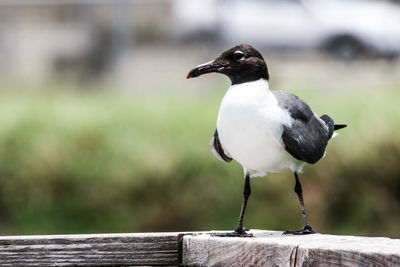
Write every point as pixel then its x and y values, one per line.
pixel 149 249
pixel 267 248
pixel 271 248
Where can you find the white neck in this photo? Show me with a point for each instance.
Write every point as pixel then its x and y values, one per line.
pixel 258 83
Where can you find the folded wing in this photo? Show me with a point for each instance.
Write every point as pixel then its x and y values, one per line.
pixel 307 137
pixel 218 150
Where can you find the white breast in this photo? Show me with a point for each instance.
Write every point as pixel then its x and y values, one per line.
pixel 250 125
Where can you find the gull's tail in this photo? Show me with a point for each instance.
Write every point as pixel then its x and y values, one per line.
pixel 331 126
pixel 339 126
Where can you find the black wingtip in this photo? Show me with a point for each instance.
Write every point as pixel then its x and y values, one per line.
pixel 339 126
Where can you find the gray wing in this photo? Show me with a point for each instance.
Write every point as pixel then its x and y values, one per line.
pixel 306 139
pixel 218 150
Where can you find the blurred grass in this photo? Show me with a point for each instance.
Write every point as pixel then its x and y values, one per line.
pixel 100 161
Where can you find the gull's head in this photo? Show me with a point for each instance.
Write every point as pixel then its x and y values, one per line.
pixel 241 63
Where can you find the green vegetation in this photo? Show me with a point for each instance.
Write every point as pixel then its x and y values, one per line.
pixel 73 162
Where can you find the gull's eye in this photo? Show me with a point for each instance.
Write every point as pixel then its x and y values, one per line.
pixel 237 55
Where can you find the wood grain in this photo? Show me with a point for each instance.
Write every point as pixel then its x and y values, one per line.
pixel 271 248
pixel 266 248
pixel 148 249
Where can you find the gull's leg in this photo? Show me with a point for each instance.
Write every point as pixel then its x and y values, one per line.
pixel 307 228
pixel 246 194
pixel 239 229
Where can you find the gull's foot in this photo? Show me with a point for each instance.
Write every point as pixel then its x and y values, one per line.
pixel 236 233
pixel 306 231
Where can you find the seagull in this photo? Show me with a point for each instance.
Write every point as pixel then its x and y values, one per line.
pixel 263 130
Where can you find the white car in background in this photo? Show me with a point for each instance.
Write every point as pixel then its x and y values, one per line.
pixel 346 28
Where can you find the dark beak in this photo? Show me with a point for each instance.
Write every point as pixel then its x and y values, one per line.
pixel 203 69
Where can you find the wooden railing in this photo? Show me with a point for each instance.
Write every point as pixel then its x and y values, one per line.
pixel 266 248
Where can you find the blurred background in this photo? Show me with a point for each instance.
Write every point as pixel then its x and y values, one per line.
pixel 101 132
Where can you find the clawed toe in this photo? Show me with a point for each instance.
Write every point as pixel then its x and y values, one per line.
pixel 236 233
pixel 306 231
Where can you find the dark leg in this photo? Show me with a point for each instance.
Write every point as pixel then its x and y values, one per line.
pixel 246 194
pixel 307 228
pixel 239 229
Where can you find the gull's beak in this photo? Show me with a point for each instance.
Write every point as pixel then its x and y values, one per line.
pixel 204 68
